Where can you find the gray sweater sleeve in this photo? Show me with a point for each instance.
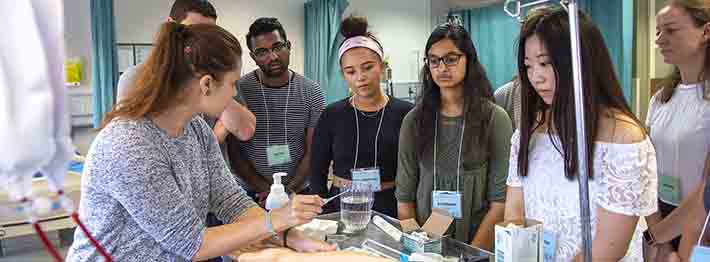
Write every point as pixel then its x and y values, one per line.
pixel 144 184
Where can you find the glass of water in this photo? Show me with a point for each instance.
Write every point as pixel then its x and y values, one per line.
pixel 356 207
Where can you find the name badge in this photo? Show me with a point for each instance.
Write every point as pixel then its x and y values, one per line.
pixel 278 155
pixel 369 177
pixel 700 253
pixel 449 201
pixel 670 189
pixel 549 245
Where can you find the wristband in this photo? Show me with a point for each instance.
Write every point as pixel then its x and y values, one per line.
pixel 648 237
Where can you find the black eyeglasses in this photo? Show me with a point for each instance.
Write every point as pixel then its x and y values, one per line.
pixel 278 47
pixel 448 60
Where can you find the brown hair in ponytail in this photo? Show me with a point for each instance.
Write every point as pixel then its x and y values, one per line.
pixel 180 53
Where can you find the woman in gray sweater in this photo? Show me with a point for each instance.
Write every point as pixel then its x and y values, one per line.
pixel 155 169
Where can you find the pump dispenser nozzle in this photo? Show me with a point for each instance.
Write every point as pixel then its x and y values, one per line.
pixel 277 197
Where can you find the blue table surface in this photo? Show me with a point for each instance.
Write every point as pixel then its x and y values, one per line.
pixel 74 166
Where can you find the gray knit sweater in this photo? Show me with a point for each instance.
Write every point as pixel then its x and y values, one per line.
pixel 145 195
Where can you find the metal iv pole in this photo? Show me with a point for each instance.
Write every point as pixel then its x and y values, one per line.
pixel 582 170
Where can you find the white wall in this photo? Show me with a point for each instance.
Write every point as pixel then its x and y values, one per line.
pixel 137 21
pixel 402 26
pixel 469 4
pixel 439 10
pixel 77 38
pixel 77 35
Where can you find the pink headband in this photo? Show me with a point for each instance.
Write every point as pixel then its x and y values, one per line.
pixel 360 41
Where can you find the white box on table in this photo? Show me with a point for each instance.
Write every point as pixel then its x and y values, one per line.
pixel 518 244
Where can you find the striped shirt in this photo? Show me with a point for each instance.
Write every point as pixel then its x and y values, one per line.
pixel 305 103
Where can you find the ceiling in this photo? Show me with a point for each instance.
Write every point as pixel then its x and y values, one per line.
pixel 466 4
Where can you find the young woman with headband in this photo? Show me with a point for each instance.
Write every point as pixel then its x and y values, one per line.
pixel 359 134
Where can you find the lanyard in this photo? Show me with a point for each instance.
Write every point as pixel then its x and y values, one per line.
pixel 458 163
pixel 357 125
pixel 288 95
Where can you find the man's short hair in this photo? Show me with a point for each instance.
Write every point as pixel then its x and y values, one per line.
pixel 262 26
pixel 181 7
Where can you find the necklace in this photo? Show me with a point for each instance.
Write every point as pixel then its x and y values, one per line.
pixel 373 114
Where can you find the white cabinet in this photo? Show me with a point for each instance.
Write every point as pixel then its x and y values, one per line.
pixel 80 106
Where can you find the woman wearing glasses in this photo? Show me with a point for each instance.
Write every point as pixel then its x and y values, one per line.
pixel 454 146
pixel 359 133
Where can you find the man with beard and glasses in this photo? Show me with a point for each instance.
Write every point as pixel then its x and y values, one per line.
pixel 287 107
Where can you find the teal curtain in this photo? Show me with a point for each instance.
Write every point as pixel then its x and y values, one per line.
pixel 615 19
pixel 104 73
pixel 321 63
pixel 495 35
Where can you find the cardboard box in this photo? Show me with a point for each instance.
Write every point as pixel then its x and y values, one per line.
pixel 435 227
pixel 521 244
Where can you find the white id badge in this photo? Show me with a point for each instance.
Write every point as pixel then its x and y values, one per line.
pixel 700 253
pixel 449 201
pixel 278 155
pixel 669 188
pixel 369 177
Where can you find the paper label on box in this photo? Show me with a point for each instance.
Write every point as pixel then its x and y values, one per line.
pixel 502 240
pixel 521 244
pixel 549 245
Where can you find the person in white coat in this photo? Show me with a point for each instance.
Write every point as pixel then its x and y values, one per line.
pixel 34 122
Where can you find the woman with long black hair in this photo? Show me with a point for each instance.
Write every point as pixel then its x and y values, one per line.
pixel 543 166
pixel 454 144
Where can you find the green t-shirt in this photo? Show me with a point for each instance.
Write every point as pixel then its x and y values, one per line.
pixel 484 168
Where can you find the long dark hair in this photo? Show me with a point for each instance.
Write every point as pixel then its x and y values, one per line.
pixel 601 86
pixel 699 12
pixel 477 89
pixel 180 52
